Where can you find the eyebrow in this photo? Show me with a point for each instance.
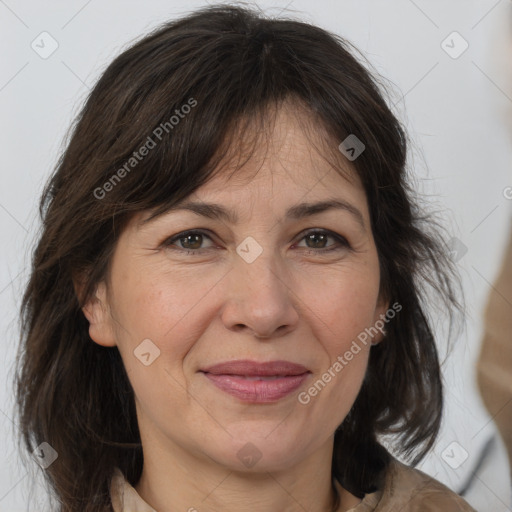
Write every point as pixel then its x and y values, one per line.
pixel 216 211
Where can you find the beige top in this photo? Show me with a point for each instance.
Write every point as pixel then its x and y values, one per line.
pixel 405 489
pixel 494 365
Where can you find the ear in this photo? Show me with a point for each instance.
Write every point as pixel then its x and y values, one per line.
pixel 380 320
pixel 97 311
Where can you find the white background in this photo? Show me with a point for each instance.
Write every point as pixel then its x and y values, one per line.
pixel 458 112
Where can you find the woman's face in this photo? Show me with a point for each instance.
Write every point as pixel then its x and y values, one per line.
pixel 276 282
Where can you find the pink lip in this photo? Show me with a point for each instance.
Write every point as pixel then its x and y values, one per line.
pixel 255 382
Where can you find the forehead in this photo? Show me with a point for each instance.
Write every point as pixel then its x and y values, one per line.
pixel 281 158
pixel 286 143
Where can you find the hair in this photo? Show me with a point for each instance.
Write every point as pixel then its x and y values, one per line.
pixel 199 82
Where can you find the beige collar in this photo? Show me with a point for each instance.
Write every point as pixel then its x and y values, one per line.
pixel 126 499
pixel 405 488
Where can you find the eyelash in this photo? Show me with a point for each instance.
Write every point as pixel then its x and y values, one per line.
pixel 342 242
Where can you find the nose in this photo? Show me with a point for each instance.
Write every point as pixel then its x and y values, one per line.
pixel 260 299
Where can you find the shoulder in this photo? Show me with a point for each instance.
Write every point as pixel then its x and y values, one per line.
pixel 415 491
pixel 124 497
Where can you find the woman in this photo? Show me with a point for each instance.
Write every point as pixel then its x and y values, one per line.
pixel 226 307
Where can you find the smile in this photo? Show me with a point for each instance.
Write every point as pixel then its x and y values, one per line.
pixel 255 382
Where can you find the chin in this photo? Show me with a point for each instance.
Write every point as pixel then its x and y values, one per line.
pixel 254 453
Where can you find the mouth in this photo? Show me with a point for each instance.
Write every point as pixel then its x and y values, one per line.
pixel 254 382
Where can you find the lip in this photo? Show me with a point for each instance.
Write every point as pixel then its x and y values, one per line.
pixel 257 382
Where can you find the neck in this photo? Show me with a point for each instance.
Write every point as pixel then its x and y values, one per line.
pixel 175 480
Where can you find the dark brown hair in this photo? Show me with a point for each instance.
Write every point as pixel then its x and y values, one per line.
pixel 231 66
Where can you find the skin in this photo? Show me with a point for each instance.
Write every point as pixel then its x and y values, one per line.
pixel 294 302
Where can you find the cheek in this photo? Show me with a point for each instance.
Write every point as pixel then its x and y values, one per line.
pixel 155 303
pixel 159 319
pixel 341 314
pixel 168 311
pixel 345 307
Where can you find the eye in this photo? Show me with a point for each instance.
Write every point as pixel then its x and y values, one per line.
pixel 317 239
pixel 190 242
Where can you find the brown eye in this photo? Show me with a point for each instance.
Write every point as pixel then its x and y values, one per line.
pixel 187 241
pixel 191 241
pixel 318 239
